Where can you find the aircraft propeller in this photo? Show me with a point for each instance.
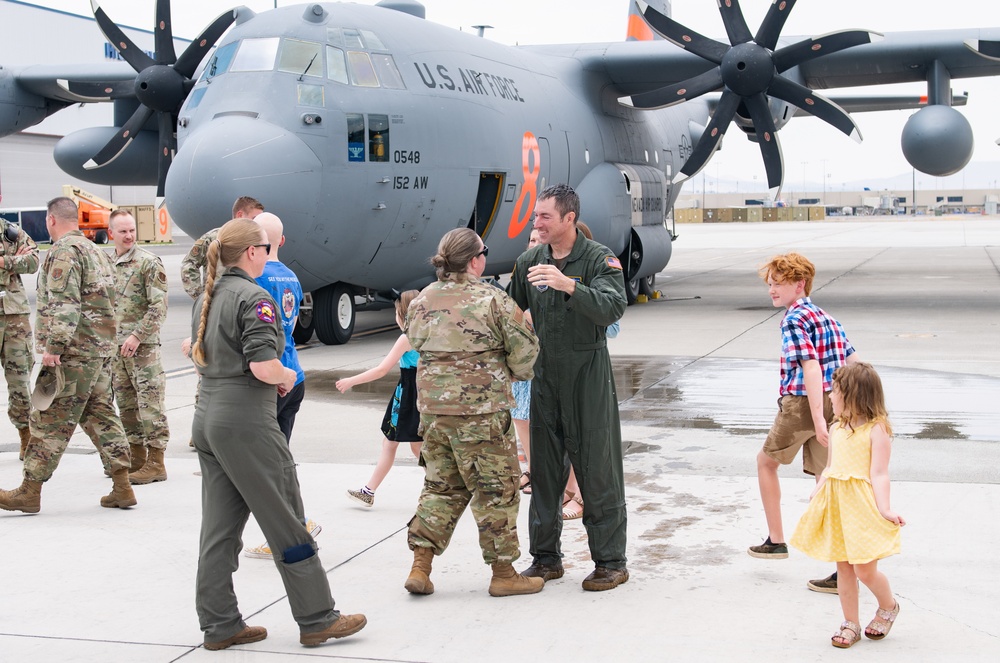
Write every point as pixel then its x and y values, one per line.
pixel 748 71
pixel 162 84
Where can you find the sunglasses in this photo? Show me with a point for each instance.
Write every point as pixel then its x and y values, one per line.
pixel 485 252
pixel 266 247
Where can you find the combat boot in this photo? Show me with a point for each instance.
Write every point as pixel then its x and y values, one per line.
pixel 419 580
pixel 137 453
pixel 121 494
pixel 25 434
pixel 27 497
pixel 508 582
pixel 152 471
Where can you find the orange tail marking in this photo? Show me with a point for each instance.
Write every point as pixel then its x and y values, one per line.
pixel 638 30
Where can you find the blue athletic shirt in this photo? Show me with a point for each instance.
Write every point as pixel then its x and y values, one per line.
pixel 284 286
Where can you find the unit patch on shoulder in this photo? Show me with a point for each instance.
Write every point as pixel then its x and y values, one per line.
pixel 265 311
pixel 614 262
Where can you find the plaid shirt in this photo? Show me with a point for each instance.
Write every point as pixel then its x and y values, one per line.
pixel 808 332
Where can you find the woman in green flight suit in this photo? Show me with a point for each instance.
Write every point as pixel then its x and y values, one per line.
pixel 245 462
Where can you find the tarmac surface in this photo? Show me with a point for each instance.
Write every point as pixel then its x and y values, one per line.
pixel 697 379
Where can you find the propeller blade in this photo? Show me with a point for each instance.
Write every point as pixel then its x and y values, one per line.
pixel 196 50
pixel 767 138
pixel 810 49
pixel 814 104
pixel 125 46
pixel 163 34
pixel 168 147
pixel 736 25
pixel 121 140
pixel 674 94
pixel 770 28
pixel 689 40
pixel 709 142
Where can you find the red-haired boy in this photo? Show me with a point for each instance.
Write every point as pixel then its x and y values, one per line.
pixel 813 345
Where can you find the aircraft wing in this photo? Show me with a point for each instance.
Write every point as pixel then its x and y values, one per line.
pixel 901 57
pixel 79 83
pixel 868 103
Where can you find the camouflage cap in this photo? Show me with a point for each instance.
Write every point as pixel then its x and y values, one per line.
pixel 48 384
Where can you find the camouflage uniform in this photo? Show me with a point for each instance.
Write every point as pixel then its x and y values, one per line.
pixel 194 262
pixel 76 320
pixel 15 327
pixel 472 341
pixel 141 306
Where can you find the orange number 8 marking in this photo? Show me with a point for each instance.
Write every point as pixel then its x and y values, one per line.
pixel 164 222
pixel 529 192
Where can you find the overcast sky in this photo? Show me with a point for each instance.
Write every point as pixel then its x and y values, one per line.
pixel 811 148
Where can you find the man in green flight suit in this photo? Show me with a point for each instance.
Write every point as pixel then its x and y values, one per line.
pixel 574 289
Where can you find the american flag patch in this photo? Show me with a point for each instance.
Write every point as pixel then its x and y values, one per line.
pixel 614 262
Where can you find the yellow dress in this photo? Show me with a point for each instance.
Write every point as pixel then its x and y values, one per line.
pixel 842 522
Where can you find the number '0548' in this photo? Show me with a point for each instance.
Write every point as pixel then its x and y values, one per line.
pixel 402 156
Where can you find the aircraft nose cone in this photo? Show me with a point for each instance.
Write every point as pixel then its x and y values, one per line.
pixel 238 156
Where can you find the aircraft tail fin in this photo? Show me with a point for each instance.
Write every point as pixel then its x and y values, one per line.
pixel 638 29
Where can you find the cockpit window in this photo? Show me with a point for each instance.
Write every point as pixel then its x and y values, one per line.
pixel 221 59
pixel 352 38
pixel 336 66
pixel 372 42
pixel 301 57
pixel 385 67
pixel 256 55
pixel 362 72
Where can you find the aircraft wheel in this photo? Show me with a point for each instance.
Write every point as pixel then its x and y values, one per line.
pixel 101 237
pixel 632 289
pixel 647 285
pixel 304 328
pixel 333 314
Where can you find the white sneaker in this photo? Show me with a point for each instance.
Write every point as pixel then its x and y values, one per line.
pixel 361 497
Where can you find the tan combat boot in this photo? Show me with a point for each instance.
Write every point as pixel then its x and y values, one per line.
pixel 27 497
pixel 508 582
pixel 121 494
pixel 25 434
pixel 137 452
pixel 152 471
pixel 419 581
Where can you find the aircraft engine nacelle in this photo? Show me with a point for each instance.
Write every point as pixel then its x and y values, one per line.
pixel 937 140
pixel 781 113
pixel 624 205
pixel 136 166
pixel 18 109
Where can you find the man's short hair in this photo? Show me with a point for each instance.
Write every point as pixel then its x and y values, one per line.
pixel 117 213
pixel 565 197
pixel 246 204
pixel 789 268
pixel 63 209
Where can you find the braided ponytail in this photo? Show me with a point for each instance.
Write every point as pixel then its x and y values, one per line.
pixel 198 349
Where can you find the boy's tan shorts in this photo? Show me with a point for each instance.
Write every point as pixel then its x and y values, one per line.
pixel 793 430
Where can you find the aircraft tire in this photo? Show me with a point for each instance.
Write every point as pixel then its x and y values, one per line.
pixel 632 289
pixel 334 313
pixel 304 328
pixel 647 285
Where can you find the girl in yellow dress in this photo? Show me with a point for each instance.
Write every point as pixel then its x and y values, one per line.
pixel 849 520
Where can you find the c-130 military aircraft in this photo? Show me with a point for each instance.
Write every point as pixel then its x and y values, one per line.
pixel 371 131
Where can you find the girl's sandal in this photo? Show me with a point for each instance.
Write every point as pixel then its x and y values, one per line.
pixel 879 627
pixel 572 508
pixel 842 640
pixel 526 483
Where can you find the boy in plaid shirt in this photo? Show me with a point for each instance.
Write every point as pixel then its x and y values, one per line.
pixel 813 345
